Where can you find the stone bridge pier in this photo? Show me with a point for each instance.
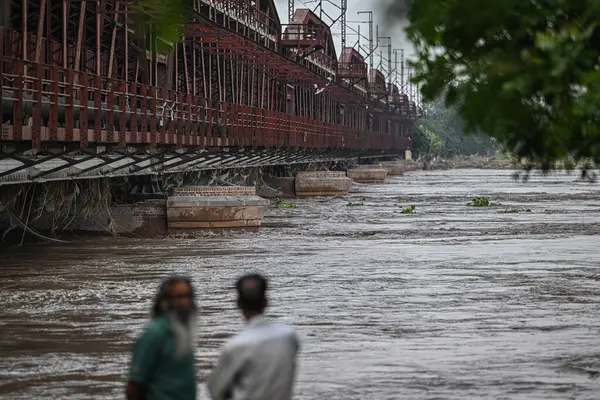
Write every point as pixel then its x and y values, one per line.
pixel 368 173
pixel 195 208
pixel 323 183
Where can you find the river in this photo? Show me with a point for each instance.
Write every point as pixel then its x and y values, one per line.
pixel 451 302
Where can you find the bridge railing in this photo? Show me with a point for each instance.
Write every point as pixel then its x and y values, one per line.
pixel 43 103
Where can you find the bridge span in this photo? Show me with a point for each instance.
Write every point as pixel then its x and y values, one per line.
pixel 84 96
pixel 107 127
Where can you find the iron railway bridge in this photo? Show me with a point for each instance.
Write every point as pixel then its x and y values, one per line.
pixel 83 96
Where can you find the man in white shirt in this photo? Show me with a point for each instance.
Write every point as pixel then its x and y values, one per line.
pixel 260 362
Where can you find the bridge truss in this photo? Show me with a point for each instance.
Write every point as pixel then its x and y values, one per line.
pixel 83 96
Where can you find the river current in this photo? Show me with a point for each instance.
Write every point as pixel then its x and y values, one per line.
pixel 451 302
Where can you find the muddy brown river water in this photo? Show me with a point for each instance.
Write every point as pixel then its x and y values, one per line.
pixel 452 302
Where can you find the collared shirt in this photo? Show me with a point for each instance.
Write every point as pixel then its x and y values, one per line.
pixel 156 366
pixel 257 364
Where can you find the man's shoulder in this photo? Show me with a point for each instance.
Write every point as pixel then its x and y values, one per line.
pixel 281 328
pixel 265 331
pixel 157 328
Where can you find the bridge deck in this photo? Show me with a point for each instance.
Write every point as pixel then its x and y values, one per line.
pixel 47 103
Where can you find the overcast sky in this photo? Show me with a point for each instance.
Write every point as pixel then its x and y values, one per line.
pixel 386 27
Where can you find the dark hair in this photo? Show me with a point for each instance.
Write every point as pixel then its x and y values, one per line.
pixel 163 293
pixel 252 298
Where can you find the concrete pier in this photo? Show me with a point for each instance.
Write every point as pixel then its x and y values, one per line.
pixel 399 167
pixel 197 208
pixel 368 174
pixel 322 183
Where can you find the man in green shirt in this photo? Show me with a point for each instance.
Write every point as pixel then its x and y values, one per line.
pixel 162 365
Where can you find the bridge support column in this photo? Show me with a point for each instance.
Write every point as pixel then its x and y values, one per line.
pixel 201 208
pixel 399 167
pixel 368 174
pixel 324 183
pixel 394 168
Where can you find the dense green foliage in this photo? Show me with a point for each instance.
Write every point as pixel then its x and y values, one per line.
pixel 526 72
pixel 280 204
pixel 441 133
pixel 161 22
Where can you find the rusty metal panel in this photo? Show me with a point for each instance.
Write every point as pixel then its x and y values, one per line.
pixel 18 108
pixel 69 103
pixel 182 105
pixel 187 130
pixel 235 114
pixel 153 120
pixel 36 126
pixel 248 127
pixel 97 87
pixel 83 111
pixel 202 117
pixel 268 129
pixel 54 78
pixel 144 112
pixel 172 113
pixel 111 86
pixel 280 129
pixel 3 135
pixel 164 107
pixel 243 125
pixel 239 125
pixel 297 132
pixel 133 112
pixel 123 115
pixel 224 126
pixel 263 133
pixel 196 125
pixel 209 122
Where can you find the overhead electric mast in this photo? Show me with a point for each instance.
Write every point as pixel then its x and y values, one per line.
pixel 371 48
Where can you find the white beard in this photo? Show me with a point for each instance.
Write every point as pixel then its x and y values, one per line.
pixel 185 335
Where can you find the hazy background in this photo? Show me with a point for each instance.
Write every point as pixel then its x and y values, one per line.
pixel 387 26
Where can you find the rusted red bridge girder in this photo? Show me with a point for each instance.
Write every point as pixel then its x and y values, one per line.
pixel 71 72
pixel 68 106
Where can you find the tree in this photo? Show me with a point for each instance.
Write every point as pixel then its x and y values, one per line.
pixel 426 143
pixel 449 128
pixel 526 72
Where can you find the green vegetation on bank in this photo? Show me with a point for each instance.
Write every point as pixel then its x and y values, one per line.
pixel 440 133
pixel 281 204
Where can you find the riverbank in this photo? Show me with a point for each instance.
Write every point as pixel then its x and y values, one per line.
pixel 470 163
